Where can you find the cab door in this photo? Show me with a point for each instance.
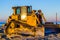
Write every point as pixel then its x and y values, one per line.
pixel 23 13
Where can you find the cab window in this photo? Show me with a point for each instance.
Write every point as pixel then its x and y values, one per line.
pixel 29 9
pixel 18 11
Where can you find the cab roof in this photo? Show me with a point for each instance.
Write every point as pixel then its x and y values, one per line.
pixel 20 6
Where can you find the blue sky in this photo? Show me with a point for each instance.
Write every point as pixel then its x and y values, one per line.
pixel 48 7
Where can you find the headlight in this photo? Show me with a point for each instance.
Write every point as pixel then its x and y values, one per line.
pixel 23 17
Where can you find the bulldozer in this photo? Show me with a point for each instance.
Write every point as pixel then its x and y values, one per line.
pixel 25 22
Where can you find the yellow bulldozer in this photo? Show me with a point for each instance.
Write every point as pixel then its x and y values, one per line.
pixel 24 21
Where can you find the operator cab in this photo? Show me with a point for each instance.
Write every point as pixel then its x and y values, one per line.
pixel 22 12
pixel 22 9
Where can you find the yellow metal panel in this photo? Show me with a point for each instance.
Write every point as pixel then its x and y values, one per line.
pixel 15 17
pixel 31 21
